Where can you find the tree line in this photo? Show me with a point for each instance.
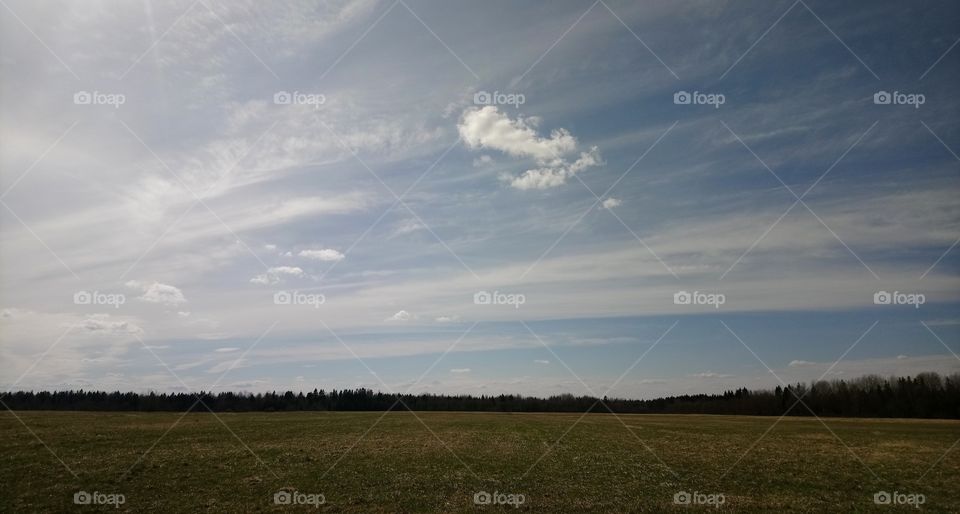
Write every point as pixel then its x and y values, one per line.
pixel 927 395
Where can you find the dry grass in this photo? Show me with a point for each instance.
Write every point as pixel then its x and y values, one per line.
pixel 400 466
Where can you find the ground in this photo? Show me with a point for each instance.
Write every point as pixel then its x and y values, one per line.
pixel 439 462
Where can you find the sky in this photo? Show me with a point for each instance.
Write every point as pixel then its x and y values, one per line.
pixel 609 198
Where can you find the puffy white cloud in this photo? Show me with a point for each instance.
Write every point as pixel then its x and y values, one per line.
pixel 610 203
pixel 541 361
pixel 460 370
pixel 487 127
pixel 165 294
pixel 547 177
pixel 400 316
pixel 275 275
pixel 226 350
pixel 447 319
pixel 325 254
pixel 799 363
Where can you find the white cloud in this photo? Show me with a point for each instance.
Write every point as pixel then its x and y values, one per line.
pixel 326 254
pixel 228 365
pixel 286 270
pixel 901 365
pixel 610 203
pixel 460 370
pixel 710 374
pixel 487 127
pixel 649 381
pixel 275 275
pixel 213 336
pixel 547 177
pixel 225 350
pixel 102 325
pixel 400 316
pixel 541 361
pixel 245 384
pixel 799 363
pixel 447 319
pixel 481 161
pixel 165 294
pixel 407 227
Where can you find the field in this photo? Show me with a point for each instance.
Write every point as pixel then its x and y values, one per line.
pixel 439 465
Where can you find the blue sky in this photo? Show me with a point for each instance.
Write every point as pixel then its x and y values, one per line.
pixel 148 155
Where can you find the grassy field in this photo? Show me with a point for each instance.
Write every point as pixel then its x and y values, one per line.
pixel 400 465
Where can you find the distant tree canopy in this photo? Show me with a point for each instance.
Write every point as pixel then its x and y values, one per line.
pixel 927 395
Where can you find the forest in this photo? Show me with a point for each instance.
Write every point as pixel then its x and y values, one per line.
pixel 927 395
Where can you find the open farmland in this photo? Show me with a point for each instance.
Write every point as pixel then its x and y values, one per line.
pixel 634 463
